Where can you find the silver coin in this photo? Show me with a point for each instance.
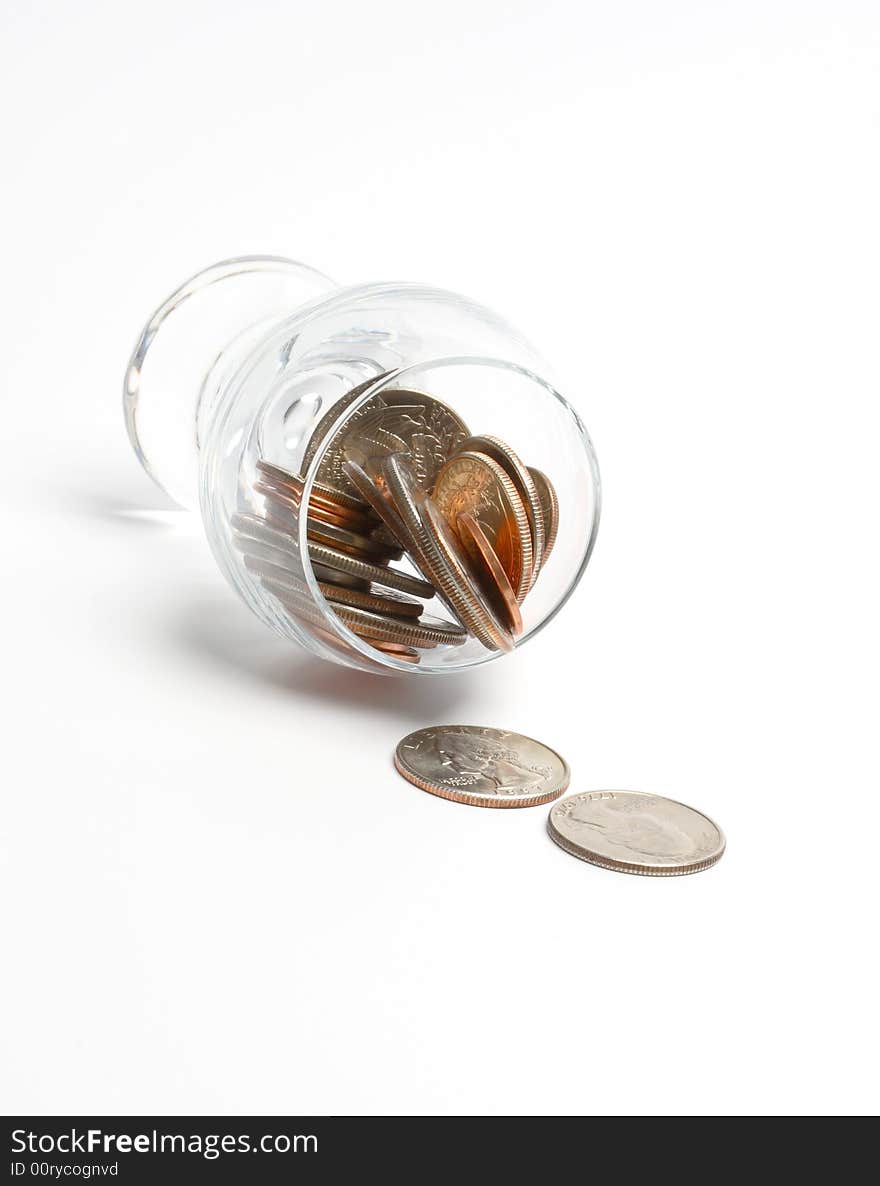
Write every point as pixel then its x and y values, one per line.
pixel 389 578
pixel 398 421
pixel 481 766
pixel 632 832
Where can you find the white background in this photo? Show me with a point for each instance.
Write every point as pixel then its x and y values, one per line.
pixel 217 894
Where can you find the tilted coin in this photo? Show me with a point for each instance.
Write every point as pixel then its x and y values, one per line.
pixel 378 499
pixel 474 484
pixel 522 479
pixel 390 578
pixel 632 832
pixel 438 554
pixel 550 505
pixel 482 767
pixel 336 410
pixel 392 421
pixel 490 572
pixel 458 562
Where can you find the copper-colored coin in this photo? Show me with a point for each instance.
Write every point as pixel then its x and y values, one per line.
pixel 391 422
pixel 490 572
pixel 440 556
pixel 474 484
pixel 481 766
pixel 550 504
pixel 407 654
pixel 458 561
pixel 291 505
pixel 338 537
pixel 519 474
pixel 426 631
pixel 295 483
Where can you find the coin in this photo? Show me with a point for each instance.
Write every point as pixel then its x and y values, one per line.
pixel 397 420
pixel 422 632
pixel 632 832
pixel 333 413
pixel 391 578
pixel 482 767
pixel 338 537
pixel 490 572
pixel 427 631
pixel 440 557
pixel 522 479
pixel 425 427
pixel 378 500
pixel 284 479
pixel 407 654
pixel 287 509
pixel 477 485
pixel 389 602
pixel 359 596
pixel 550 505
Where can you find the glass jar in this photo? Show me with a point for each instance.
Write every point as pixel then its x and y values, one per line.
pixel 240 365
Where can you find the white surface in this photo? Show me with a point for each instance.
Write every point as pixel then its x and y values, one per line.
pixel 218 895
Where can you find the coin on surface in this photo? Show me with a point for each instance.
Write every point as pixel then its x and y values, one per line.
pixel 522 479
pixel 550 506
pixel 632 832
pixel 481 767
pixel 474 484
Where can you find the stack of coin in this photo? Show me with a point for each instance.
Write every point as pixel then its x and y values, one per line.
pixel 403 474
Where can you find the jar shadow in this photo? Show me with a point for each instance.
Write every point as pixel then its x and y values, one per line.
pixel 219 634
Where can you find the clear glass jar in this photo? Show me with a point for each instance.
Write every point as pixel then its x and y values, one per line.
pixel 242 362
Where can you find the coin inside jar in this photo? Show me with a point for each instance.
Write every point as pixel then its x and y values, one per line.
pixel 550 505
pixel 509 460
pixel 490 572
pixel 393 421
pixel 475 484
pixel 439 555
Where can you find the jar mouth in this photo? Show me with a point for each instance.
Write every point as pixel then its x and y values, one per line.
pixel 427 376
pixel 376 338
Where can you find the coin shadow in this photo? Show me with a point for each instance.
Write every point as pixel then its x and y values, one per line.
pixel 223 636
